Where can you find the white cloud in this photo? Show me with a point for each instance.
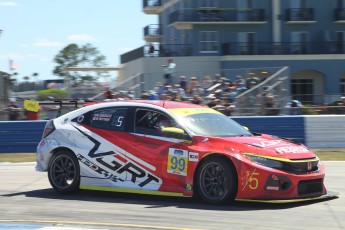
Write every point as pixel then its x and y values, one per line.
pixel 46 43
pixel 81 37
pixel 8 4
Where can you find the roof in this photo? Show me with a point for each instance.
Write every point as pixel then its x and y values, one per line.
pixel 162 104
pixel 168 104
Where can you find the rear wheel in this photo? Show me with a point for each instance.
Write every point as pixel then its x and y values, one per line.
pixel 216 181
pixel 64 172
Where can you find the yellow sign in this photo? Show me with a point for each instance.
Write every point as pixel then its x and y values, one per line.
pixel 31 105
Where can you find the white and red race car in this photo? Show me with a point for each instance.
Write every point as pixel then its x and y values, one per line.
pixel 175 149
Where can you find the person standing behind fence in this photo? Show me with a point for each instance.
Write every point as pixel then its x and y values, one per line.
pixel 13 110
pixel 51 110
pixel 169 70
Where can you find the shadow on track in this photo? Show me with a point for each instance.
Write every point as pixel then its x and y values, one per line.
pixel 158 201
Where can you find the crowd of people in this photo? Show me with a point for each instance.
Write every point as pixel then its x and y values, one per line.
pixel 215 91
pixel 17 112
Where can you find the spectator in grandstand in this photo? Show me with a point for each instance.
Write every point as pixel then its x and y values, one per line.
pixel 159 88
pixel 192 85
pixel 183 83
pixel 151 50
pixel 206 83
pixel 107 94
pixel 196 99
pixel 240 80
pixel 169 70
pixel 180 92
pixel 232 94
pixel 153 95
pixel 271 108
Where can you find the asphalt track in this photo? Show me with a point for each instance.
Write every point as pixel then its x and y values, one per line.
pixel 28 202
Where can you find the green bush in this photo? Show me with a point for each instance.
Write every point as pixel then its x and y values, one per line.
pixel 56 93
pixel 308 110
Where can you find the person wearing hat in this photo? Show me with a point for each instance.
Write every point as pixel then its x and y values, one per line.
pixel 13 110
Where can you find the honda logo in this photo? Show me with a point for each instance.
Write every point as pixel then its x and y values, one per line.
pixel 309 166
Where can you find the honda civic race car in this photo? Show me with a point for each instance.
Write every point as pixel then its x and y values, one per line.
pixel 175 149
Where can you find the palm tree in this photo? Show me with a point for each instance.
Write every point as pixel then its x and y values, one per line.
pixel 35 75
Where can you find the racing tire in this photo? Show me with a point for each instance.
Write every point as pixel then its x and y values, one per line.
pixel 64 172
pixel 216 181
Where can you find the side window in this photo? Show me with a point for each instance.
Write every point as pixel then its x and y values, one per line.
pixel 151 122
pixel 109 119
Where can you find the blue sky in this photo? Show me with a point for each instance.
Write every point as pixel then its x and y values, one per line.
pixel 34 31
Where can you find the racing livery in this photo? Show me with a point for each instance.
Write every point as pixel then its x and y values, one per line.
pixel 175 149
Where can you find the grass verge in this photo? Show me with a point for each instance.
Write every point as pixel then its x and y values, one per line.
pixel 325 154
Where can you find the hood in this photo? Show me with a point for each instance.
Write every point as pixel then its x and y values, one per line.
pixel 265 145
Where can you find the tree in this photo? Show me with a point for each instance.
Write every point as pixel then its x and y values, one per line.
pixel 73 55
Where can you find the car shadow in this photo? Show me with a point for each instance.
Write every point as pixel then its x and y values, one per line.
pixel 152 201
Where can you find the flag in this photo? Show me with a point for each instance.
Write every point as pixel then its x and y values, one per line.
pixel 13 66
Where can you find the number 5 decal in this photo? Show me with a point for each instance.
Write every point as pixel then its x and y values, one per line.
pixel 251 180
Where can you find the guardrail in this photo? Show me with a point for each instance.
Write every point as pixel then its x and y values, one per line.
pixel 326 131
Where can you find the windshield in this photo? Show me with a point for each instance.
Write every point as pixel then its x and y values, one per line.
pixel 213 124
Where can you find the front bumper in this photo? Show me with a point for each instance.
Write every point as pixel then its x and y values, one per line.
pixel 262 184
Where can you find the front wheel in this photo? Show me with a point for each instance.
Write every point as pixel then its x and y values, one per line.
pixel 216 181
pixel 64 172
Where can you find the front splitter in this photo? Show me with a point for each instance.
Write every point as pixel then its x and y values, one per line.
pixel 328 195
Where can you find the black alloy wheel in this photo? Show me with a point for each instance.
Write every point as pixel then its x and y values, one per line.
pixel 216 181
pixel 64 172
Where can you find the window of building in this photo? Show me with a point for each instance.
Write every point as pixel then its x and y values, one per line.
pixel 340 41
pixel 209 41
pixel 246 43
pixel 299 42
pixel 303 90
pixel 342 86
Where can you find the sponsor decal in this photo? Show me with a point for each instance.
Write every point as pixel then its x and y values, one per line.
pixel 80 118
pixel 189 187
pixel 272 188
pixel 42 143
pixel 291 149
pixel 178 152
pixel 177 161
pixel 264 144
pixel 274 177
pixel 193 156
pixel 116 167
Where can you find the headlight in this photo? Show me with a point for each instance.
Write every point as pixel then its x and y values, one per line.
pixel 265 162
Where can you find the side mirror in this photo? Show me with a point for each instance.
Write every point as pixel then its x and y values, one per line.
pixel 177 133
pixel 173 130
